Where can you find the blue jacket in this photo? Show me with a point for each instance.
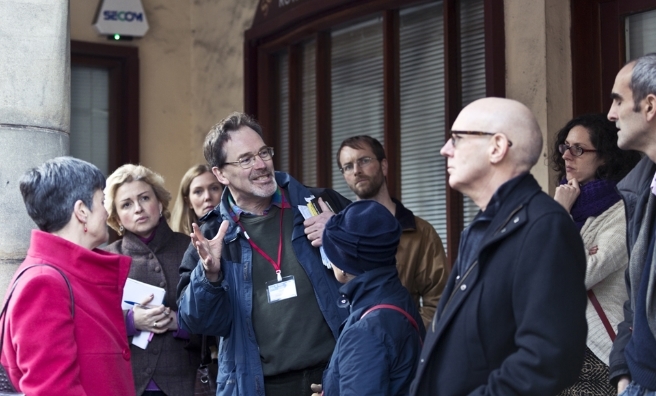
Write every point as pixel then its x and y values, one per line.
pixel 225 310
pixel 514 322
pixel 375 355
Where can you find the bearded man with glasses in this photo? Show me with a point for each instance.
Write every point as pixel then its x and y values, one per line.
pixel 512 319
pixel 420 258
pixel 253 278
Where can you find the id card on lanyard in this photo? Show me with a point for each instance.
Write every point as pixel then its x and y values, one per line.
pixel 281 288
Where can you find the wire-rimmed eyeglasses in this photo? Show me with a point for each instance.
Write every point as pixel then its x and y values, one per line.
pixel 575 150
pixel 349 167
pixel 475 133
pixel 248 160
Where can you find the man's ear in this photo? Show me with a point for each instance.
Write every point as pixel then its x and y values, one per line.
pixel 498 150
pixel 650 104
pixel 218 173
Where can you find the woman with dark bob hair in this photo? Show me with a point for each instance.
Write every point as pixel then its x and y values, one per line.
pixel 63 332
pixel 589 165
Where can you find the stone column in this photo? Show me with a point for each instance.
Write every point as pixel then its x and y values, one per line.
pixel 34 109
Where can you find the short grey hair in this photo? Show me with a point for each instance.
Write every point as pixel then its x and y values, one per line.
pixel 51 190
pixel 643 79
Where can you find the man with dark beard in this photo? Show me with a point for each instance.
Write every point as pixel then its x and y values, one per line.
pixel 420 257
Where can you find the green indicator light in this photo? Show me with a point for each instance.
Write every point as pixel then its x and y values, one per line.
pixel 117 37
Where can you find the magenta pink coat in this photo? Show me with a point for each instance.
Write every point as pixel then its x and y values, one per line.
pixel 48 352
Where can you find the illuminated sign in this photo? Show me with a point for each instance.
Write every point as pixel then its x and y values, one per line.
pixel 121 17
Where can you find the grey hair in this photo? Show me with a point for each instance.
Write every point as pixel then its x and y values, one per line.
pixel 643 79
pixel 51 190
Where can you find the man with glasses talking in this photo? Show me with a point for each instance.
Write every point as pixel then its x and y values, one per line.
pixel 512 317
pixel 420 257
pixel 254 278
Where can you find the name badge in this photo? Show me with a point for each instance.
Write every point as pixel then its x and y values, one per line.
pixel 283 289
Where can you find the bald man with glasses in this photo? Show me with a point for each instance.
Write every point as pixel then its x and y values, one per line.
pixel 512 317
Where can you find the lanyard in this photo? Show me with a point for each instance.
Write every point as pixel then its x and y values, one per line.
pixel 276 265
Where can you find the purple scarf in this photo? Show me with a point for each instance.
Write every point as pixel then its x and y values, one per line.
pixel 596 197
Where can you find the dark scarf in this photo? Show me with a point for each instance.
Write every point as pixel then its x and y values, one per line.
pixel 596 197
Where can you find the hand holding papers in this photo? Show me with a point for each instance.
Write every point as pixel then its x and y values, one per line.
pixel 138 294
pixel 316 214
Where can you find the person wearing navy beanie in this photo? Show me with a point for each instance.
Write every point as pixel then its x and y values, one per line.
pixel 379 344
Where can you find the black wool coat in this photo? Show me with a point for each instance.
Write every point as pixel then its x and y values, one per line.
pixel 514 323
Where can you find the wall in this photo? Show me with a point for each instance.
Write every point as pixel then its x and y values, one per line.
pixel 191 65
pixel 191 73
pixel 217 64
pixel 539 68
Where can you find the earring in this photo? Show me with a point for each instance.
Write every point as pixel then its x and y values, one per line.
pixel 85 227
pixel 120 228
pixel 343 272
pixel 160 213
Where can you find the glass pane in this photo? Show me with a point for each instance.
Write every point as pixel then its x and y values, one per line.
pixel 472 50
pixel 282 152
pixel 357 87
pixel 640 34
pixel 309 110
pixel 422 114
pixel 89 139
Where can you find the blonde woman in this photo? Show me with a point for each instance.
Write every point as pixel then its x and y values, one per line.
pixel 137 205
pixel 198 194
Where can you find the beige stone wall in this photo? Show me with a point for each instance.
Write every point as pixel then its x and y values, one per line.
pixel 191 65
pixel 191 74
pixel 217 64
pixel 538 68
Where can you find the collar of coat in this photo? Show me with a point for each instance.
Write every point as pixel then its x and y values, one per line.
pixel 134 244
pixel 405 216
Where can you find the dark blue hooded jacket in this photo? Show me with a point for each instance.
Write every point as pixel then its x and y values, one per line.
pixel 375 355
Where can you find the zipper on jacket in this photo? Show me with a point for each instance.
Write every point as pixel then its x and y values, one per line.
pixel 460 281
pixel 471 267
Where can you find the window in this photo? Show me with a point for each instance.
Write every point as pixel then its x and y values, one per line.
pixel 357 87
pixel 605 35
pixel 640 34
pixel 399 71
pixel 89 139
pixel 104 104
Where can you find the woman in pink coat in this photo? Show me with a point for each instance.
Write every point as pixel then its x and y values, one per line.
pixel 47 349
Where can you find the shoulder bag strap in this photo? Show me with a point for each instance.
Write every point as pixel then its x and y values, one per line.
pixel 412 320
pixel 602 315
pixel 13 287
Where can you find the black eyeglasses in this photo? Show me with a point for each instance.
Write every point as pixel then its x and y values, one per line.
pixel 475 133
pixel 575 150
pixel 348 168
pixel 248 160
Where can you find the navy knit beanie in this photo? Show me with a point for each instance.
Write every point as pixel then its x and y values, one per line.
pixel 362 237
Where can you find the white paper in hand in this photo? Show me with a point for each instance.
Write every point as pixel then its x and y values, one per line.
pixel 136 291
